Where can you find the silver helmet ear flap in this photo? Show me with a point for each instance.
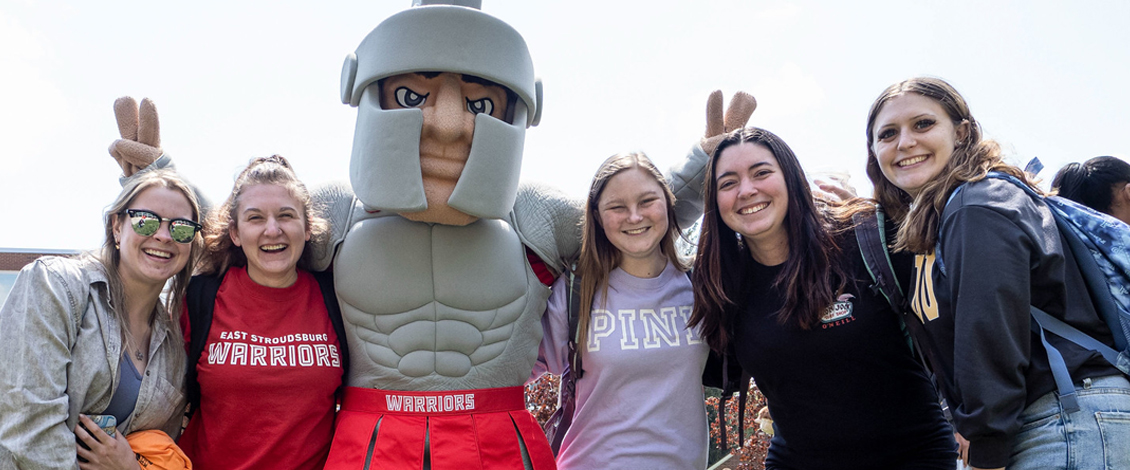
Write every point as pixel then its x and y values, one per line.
pixel 349 74
pixel 538 106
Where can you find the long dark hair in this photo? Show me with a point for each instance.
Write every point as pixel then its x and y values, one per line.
pixel 811 278
pixel 971 160
pixel 1090 183
pixel 598 255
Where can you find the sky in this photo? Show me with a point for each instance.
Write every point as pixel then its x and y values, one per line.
pixel 236 80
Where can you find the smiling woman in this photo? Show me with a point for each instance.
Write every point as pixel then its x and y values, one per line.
pixel 629 265
pixel 269 339
pixel 90 336
pixel 778 288
pixel 271 231
pixel 1002 257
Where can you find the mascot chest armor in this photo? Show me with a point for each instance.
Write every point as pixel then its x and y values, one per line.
pixel 443 308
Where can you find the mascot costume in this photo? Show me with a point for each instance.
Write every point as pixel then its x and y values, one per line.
pixel 442 260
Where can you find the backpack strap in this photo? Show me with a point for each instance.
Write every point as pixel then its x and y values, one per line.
pixel 201 301
pixel 1070 333
pixel 1059 368
pixel 576 368
pixel 728 388
pixel 871 235
pixel 722 402
pixel 329 296
pixel 743 392
pixel 558 424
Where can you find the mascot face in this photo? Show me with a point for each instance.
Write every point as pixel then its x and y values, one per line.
pixel 441 118
pixel 449 102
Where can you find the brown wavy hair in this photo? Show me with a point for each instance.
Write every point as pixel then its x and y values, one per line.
pixel 812 276
pixel 919 218
pixel 220 252
pixel 598 255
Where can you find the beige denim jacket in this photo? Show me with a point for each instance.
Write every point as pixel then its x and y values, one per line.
pixel 60 350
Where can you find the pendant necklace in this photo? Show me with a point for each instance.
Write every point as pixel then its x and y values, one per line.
pixel 131 345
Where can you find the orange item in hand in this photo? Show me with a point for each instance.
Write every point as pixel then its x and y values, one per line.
pixel 156 451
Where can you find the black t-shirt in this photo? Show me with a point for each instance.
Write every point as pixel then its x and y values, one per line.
pixel 846 393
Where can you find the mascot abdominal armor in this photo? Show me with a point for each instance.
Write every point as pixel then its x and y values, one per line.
pixel 442 261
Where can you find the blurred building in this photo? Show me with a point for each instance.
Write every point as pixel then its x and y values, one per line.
pixel 14 259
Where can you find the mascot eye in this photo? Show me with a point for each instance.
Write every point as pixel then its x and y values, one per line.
pixel 409 99
pixel 481 106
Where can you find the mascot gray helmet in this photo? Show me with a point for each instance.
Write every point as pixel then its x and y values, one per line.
pixel 384 168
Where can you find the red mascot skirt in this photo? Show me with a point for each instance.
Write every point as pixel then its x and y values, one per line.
pixel 467 430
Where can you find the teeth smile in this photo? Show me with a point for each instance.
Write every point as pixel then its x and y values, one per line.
pixel 636 231
pixel 753 209
pixel 159 254
pixel 278 247
pixel 911 161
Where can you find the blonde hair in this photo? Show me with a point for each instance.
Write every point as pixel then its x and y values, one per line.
pixel 110 257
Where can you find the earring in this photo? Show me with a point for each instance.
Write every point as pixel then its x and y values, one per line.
pixel 117 246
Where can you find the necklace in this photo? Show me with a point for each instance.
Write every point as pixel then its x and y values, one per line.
pixel 133 346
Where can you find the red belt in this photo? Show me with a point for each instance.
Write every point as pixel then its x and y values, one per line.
pixel 487 400
pixel 465 430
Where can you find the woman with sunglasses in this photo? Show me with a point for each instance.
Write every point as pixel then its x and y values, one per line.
pixel 265 385
pixel 90 336
pixel 781 286
pixel 639 403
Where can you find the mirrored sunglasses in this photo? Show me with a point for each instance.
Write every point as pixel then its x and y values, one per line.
pixel 146 223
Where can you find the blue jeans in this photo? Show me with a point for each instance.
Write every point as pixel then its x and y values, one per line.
pixel 1095 437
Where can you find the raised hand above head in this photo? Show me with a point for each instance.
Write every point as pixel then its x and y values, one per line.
pixel 140 144
pixel 742 105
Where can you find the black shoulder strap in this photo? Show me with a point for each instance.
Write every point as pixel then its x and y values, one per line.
pixel 742 394
pixel 742 385
pixel 575 366
pixel 201 301
pixel 329 296
pixel 870 233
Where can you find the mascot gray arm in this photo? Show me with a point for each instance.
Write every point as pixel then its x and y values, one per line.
pixel 686 179
pixel 549 223
pixel 334 202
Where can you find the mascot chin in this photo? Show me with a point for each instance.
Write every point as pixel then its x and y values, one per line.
pixel 442 261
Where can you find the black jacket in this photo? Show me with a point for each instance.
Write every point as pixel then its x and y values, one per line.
pixel 1000 253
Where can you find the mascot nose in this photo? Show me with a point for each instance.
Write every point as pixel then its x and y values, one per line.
pixel 448 122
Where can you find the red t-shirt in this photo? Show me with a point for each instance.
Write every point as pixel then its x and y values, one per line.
pixel 267 377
